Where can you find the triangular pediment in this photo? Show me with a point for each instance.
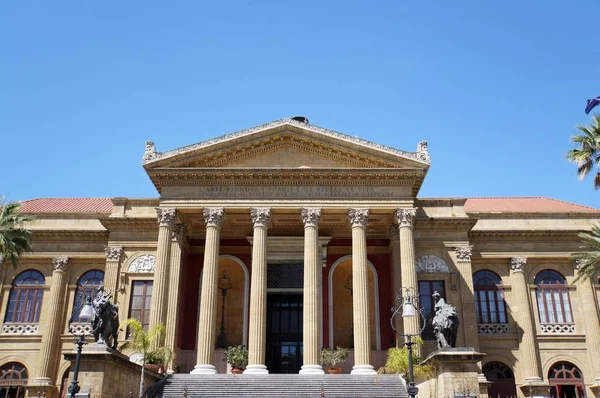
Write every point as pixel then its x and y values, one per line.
pixel 286 144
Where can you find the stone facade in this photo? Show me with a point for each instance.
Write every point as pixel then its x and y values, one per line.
pixel 290 209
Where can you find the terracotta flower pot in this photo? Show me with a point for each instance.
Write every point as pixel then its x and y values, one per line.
pixel 334 371
pixel 237 371
pixel 155 368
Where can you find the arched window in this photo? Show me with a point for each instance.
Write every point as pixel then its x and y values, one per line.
pixel 87 284
pixel 25 301
pixel 553 298
pixel 502 378
pixel 566 380
pixel 13 376
pixel 489 297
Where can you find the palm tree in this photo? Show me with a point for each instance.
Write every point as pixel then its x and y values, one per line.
pixel 146 343
pixel 589 260
pixel 14 239
pixel 587 153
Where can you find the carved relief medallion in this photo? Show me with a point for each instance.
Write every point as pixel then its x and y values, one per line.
pixel 431 263
pixel 358 217
pixel 311 216
pixel 142 264
pixel 60 263
pixel 260 216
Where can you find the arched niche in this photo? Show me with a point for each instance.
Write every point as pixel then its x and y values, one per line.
pixel 340 304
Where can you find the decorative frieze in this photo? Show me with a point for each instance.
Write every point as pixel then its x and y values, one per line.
pixel 213 216
pixel 166 217
pixel 60 264
pixel 557 328
pixel 463 253
pixel 113 253
pixel 311 216
pixel 517 264
pixel 431 264
pixel 406 217
pixel 261 216
pixel 143 264
pixel 493 328
pixel 20 328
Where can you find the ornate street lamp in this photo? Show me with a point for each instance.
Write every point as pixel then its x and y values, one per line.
pixel 408 303
pixel 85 311
pixel 224 284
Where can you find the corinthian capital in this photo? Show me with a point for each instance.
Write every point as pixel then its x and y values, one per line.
pixel 166 217
pixel 213 216
pixel 358 217
pixel 311 216
pixel 60 263
pixel 180 232
pixel 260 216
pixel 463 253
pixel 405 217
pixel 113 253
pixel 393 232
pixel 517 264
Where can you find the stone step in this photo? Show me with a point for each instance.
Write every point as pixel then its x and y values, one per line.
pixel 278 385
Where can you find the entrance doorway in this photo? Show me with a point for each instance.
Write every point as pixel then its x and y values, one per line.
pixel 284 333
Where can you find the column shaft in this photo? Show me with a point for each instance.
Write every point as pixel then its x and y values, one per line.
pixel 207 324
pixel 360 293
pixel 522 310
pixel 179 236
pixel 405 219
pixel 51 334
pixel 111 271
pixel 592 331
pixel 160 288
pixel 396 276
pixel 258 294
pixel 467 292
pixel 312 293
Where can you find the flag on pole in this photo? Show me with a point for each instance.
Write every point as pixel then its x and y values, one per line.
pixel 591 104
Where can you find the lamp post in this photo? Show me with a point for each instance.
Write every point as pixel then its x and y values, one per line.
pixel 408 303
pixel 85 311
pixel 224 285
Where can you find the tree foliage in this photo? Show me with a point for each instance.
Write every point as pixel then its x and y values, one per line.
pixel 14 238
pixel 586 155
pixel 397 362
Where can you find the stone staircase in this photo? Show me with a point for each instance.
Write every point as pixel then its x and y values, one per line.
pixel 280 385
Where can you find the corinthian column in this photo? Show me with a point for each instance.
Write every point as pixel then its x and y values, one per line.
pixel 111 275
pixel 207 324
pixel 467 292
pixel 396 275
pixel 158 303
pixel 51 334
pixel 592 332
pixel 312 292
pixel 405 219
pixel 258 293
pixel 522 311
pixel 179 237
pixel 360 293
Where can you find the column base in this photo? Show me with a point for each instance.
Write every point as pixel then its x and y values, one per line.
pixel 533 380
pixel 204 370
pixel 367 370
pixel 42 381
pixel 311 369
pixel 256 370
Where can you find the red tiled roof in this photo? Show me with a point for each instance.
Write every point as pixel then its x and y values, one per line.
pixel 524 205
pixel 67 205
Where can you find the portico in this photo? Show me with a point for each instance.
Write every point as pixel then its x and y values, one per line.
pixel 285 180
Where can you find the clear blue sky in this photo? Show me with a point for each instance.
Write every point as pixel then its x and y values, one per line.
pixel 496 87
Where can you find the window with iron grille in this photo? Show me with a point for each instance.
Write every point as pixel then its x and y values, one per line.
pixel 489 297
pixel 553 301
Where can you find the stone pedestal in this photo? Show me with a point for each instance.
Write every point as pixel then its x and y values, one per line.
pixel 455 373
pixel 108 373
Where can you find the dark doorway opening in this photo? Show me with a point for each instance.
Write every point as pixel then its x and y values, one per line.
pixel 284 333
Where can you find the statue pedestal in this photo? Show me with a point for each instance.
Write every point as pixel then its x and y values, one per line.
pixel 455 373
pixel 104 372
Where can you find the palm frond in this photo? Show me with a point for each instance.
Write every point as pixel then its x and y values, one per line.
pixel 588 260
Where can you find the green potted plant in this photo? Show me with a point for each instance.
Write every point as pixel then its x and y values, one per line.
pixel 154 357
pixel 331 358
pixel 237 358
pixel 397 362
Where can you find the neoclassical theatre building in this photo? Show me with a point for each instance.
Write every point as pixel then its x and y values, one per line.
pixel 288 237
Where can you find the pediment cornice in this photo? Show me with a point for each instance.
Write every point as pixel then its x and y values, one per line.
pixel 298 133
